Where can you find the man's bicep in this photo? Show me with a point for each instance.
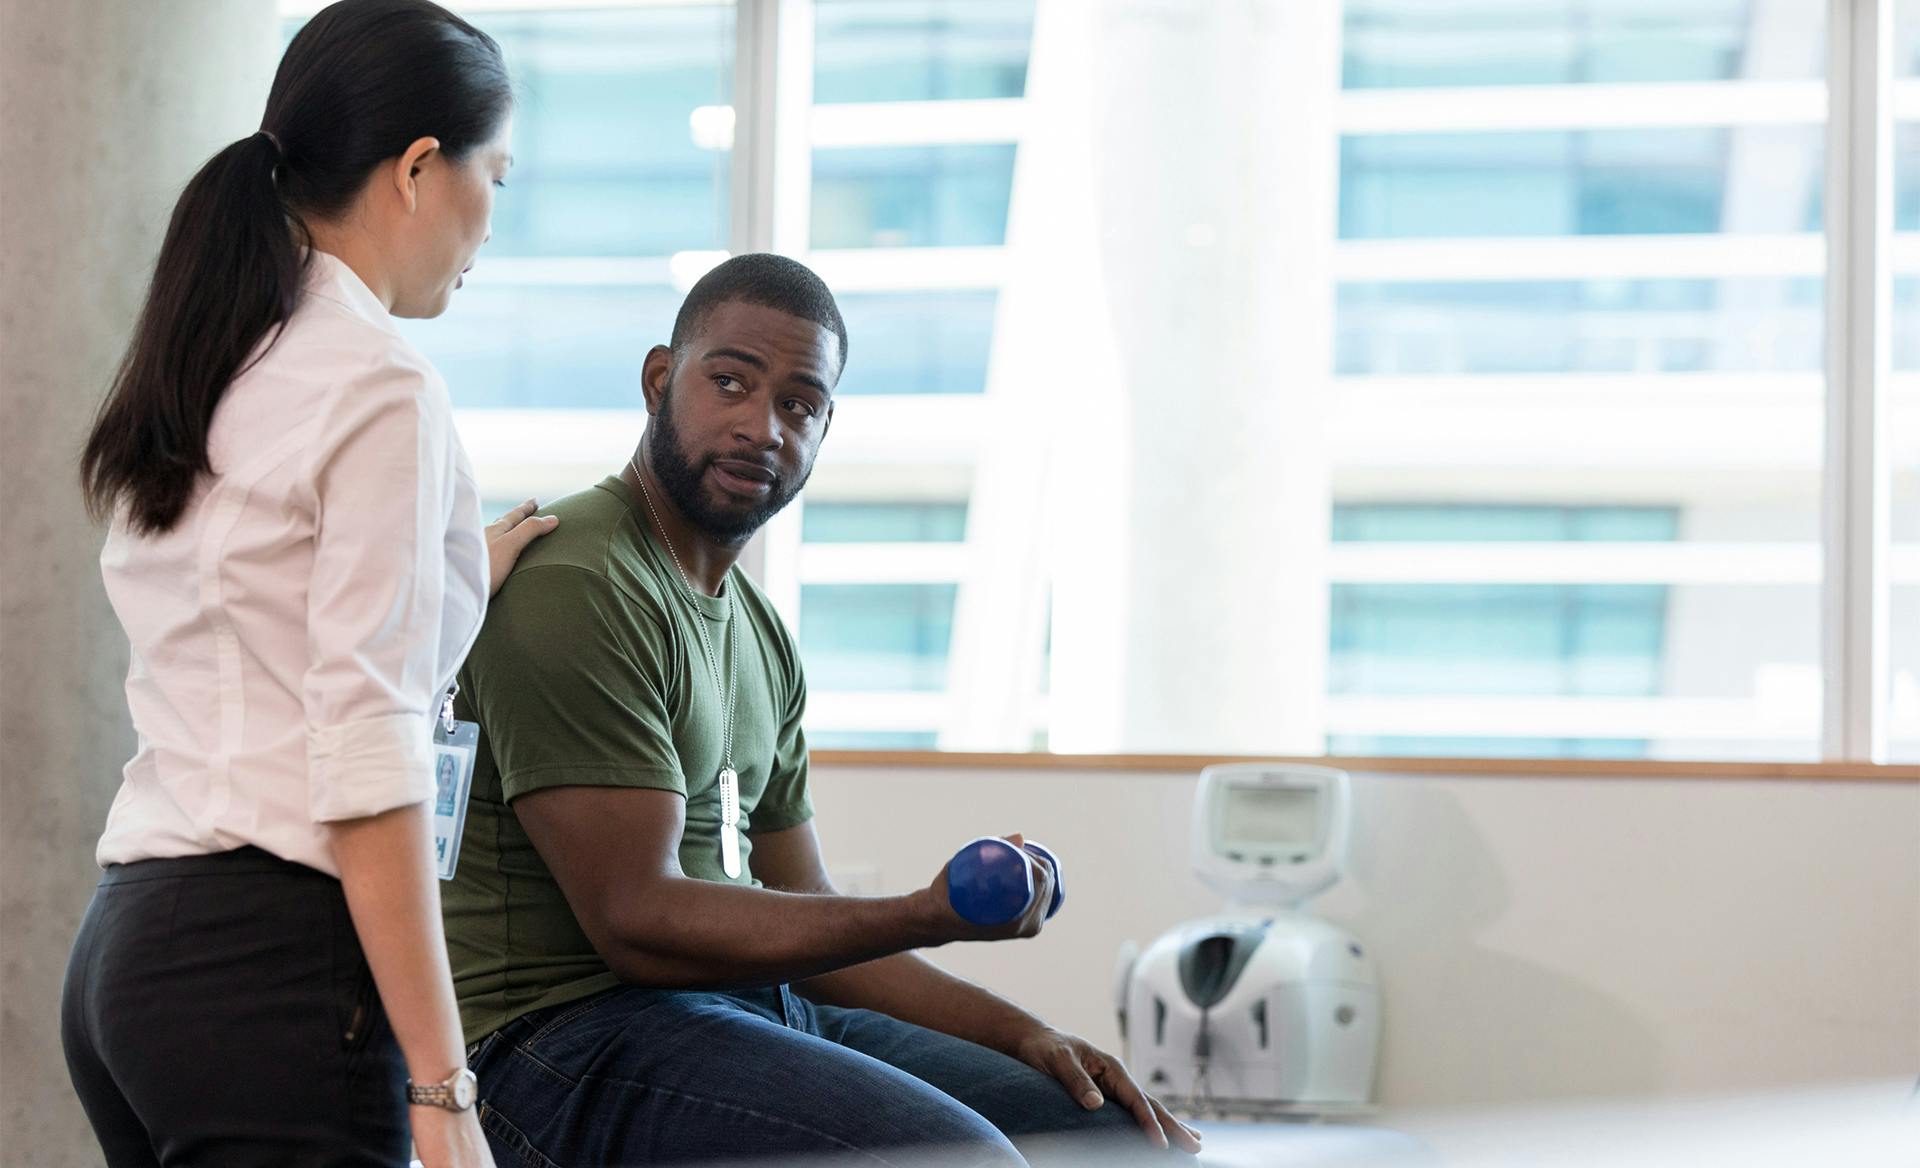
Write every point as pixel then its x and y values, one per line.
pixel 569 690
pixel 605 846
pixel 790 860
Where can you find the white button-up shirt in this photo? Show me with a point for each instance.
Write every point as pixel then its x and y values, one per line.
pixel 294 632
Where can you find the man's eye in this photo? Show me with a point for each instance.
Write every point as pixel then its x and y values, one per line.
pixel 726 382
pixel 805 408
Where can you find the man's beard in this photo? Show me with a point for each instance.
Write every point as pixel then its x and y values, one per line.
pixel 684 481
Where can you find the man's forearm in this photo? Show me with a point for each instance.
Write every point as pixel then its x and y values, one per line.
pixel 685 932
pixel 909 987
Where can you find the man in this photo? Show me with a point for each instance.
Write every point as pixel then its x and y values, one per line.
pixel 652 963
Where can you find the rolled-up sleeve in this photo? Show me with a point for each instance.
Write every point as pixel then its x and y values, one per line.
pixel 382 469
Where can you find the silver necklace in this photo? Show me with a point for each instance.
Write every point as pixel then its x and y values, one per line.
pixel 729 778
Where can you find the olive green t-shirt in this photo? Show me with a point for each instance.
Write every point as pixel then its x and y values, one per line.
pixel 590 672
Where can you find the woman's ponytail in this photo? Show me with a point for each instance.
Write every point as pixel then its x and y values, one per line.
pixel 229 272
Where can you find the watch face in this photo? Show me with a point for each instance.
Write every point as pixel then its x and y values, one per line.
pixel 465 1087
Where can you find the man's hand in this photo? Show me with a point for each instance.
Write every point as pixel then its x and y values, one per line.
pixel 1092 1076
pixel 1027 924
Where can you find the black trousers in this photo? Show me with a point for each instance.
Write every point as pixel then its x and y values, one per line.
pixel 218 1011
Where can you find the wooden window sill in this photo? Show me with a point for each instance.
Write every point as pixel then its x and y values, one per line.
pixel 1851 772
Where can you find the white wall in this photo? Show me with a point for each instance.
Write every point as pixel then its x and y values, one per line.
pixel 1538 938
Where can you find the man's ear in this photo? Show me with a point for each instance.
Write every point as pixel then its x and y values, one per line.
pixel 656 375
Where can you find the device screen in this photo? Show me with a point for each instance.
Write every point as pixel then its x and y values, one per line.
pixel 1270 817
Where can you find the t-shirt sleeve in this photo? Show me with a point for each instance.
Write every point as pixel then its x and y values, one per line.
pixel 568 683
pixel 786 803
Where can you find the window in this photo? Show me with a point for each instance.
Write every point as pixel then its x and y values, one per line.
pixel 1554 485
pixel 864 638
pixel 828 522
pixel 1531 643
pixel 932 196
pixel 607 161
pixel 1587 326
pixel 1409 44
pixel 1513 640
pixel 918 342
pixel 1511 183
pixel 920 50
pixel 1376 377
pixel 1602 310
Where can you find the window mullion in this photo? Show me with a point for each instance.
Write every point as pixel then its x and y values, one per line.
pixel 1858 213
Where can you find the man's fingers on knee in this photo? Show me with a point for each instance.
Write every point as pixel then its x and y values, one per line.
pixel 1121 1088
pixel 1176 1129
pixel 1079 1084
pixel 1149 1122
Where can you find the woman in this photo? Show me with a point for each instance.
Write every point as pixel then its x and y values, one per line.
pixel 297 557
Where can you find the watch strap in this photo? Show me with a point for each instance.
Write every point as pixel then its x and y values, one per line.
pixel 444 1095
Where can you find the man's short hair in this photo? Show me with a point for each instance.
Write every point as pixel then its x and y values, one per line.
pixel 771 281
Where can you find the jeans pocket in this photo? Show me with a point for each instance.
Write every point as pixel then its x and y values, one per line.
pixel 478 1051
pixel 507 1140
pixel 557 1018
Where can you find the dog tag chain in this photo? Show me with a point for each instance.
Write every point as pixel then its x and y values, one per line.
pixel 729 778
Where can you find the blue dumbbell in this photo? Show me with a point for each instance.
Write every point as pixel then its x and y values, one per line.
pixel 990 883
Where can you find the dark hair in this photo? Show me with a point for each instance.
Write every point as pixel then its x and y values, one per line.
pixel 362 81
pixel 771 281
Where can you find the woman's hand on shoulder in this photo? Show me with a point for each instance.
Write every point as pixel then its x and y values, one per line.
pixel 509 535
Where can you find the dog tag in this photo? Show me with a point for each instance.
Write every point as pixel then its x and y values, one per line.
pixel 730 823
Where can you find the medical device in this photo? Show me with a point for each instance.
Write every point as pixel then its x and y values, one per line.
pixel 1264 1009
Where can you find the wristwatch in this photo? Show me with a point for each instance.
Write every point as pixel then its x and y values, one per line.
pixel 456 1094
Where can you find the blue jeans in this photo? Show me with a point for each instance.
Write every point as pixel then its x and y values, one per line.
pixel 644 1076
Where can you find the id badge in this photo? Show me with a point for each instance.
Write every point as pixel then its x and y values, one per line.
pixel 454 744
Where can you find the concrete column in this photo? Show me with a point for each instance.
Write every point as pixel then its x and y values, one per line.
pixel 1156 401
pixel 1049 488
pixel 106 109
pixel 1221 173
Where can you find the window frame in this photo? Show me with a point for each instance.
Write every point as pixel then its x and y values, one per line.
pixel 1856 513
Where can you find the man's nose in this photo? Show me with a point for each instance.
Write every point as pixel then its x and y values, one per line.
pixel 756 426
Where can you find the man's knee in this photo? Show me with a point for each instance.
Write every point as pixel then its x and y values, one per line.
pixel 1108 1135
pixel 870 1105
pixel 1057 1113
pixel 1108 1117
pixel 955 1136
